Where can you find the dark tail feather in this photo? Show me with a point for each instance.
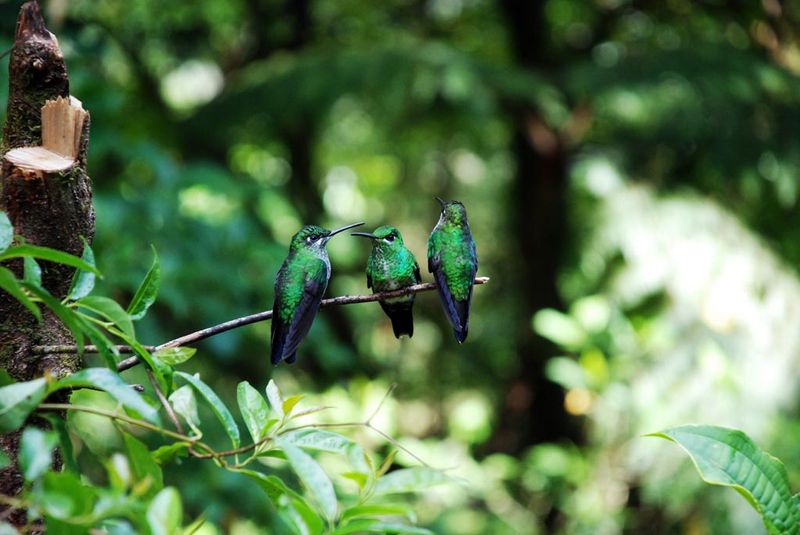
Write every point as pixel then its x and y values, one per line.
pixel 401 316
pixel 457 311
pixel 277 342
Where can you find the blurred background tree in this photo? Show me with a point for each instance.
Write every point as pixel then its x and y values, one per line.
pixel 630 171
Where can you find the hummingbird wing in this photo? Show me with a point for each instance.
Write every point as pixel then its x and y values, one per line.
pixel 369 280
pixel 286 336
pixel 457 311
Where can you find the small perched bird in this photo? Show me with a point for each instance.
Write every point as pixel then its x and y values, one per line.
pixel 392 266
pixel 454 262
pixel 299 288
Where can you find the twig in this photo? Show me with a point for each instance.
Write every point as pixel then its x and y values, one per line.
pixel 164 402
pixel 240 322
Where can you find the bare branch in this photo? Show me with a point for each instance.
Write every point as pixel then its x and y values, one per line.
pixel 240 322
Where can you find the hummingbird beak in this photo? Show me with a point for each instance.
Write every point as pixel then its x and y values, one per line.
pixel 365 234
pixel 342 229
pixel 441 201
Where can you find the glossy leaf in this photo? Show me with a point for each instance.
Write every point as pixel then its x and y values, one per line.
pixel 274 397
pixel 18 400
pixel 283 497
pixel 147 292
pixel 409 480
pixel 147 474
pixel 318 439
pixel 59 426
pixel 83 281
pixel 110 310
pixel 170 452
pixel 729 458
pixel 31 272
pixel 165 513
pixel 379 526
pixel 254 409
pixel 6 232
pixel 10 284
pixel 185 405
pixel 45 253
pixel 36 452
pixel 111 382
pixel 377 510
pixel 108 350
pixel 172 356
pixel 313 477
pixel 217 406
pixel 290 403
pixel 63 496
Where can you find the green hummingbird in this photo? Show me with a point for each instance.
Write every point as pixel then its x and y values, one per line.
pixel 454 262
pixel 392 266
pixel 299 287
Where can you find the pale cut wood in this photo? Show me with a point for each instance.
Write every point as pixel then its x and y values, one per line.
pixel 62 124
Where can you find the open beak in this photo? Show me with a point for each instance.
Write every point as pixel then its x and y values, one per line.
pixel 365 234
pixel 342 229
pixel 441 201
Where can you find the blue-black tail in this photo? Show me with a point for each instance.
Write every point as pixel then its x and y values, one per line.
pixel 402 317
pixel 457 311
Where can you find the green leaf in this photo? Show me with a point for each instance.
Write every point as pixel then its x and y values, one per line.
pixel 36 452
pixel 359 478
pixel 729 458
pixel 108 350
pixel 379 526
pixel 275 399
pixel 59 425
pixel 83 281
pixel 290 505
pixel 172 356
pixel 10 284
pixel 111 382
pixel 165 513
pixel 409 480
pixel 254 409
pixel 63 496
pixel 6 231
pixel 66 315
pixel 184 403
pixel 147 292
pixel 290 403
pixel 4 460
pixel 170 452
pixel 376 510
pixel 110 310
pixel 317 439
pixel 313 477
pixel 146 472
pixel 45 253
pixel 387 463
pixel 219 408
pixel 32 272
pixel 18 400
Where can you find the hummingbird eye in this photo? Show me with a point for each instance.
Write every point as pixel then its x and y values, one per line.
pixel 390 238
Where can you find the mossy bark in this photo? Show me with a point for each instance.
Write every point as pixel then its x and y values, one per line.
pixel 49 209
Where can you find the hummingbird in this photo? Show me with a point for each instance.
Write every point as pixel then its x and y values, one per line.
pixel 392 266
pixel 299 287
pixel 454 262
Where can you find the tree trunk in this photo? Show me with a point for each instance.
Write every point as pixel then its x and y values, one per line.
pixel 48 199
pixel 534 410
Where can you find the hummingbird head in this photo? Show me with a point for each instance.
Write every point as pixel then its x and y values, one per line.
pixel 452 211
pixel 314 236
pixel 383 237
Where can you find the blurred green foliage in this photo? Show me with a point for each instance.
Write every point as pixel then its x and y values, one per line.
pixel 220 126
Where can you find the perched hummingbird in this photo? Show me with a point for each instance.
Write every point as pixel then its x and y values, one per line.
pixel 299 287
pixel 454 262
pixel 392 266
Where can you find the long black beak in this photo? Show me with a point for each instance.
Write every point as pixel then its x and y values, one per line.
pixel 365 234
pixel 342 229
pixel 441 201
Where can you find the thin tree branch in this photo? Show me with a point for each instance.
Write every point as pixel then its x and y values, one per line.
pixel 240 322
pixel 164 403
